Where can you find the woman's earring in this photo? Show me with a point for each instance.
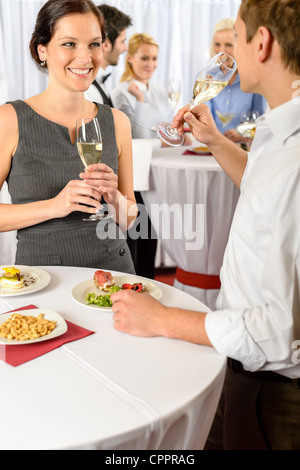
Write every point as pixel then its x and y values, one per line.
pixel 43 64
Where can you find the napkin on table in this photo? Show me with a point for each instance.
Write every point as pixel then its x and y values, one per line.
pixel 16 355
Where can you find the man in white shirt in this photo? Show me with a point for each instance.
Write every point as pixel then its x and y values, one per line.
pixel 256 323
pixel 114 45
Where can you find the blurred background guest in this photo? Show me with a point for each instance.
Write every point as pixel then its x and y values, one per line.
pixel 145 105
pixel 230 107
pixel 114 45
pixel 143 101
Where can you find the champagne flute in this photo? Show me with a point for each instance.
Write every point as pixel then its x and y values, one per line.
pixel 89 146
pixel 212 79
pixel 174 92
pixel 174 87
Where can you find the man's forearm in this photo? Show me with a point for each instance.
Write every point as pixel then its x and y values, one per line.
pixel 185 325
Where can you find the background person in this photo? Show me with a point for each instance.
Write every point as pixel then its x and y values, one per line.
pixel 116 24
pixel 145 103
pixel 49 189
pixel 256 323
pixel 232 103
pixel 142 100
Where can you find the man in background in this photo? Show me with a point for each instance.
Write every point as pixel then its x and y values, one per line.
pixel 114 45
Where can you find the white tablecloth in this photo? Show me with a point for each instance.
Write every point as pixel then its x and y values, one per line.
pixel 109 390
pixel 194 184
pixel 193 196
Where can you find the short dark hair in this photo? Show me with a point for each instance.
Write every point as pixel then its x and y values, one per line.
pixel 281 18
pixel 116 21
pixel 53 11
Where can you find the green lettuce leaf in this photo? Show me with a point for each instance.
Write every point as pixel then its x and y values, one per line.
pixel 101 300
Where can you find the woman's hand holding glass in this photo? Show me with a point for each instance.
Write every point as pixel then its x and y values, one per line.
pixel 101 178
pixel 77 195
pixel 89 144
pixel 96 181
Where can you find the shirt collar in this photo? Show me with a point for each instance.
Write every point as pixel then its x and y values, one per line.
pixel 283 120
pixel 101 73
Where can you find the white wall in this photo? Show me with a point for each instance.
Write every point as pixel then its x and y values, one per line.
pixel 182 28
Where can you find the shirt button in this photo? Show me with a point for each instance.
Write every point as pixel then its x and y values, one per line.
pixel 122 251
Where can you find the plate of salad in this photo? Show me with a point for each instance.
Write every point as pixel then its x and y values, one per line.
pixel 86 293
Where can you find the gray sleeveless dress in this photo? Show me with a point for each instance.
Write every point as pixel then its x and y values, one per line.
pixel 43 164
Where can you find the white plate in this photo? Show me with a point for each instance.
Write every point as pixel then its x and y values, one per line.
pixel 80 291
pixel 35 279
pixel 60 329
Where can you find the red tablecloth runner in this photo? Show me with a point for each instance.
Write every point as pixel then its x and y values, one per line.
pixel 16 355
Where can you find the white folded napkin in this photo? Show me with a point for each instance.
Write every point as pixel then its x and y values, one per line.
pixel 141 155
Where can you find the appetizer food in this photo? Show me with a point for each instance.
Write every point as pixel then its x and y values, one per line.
pixel 103 280
pixel 23 327
pixel 101 300
pixel 12 278
pixel 137 287
pixel 201 149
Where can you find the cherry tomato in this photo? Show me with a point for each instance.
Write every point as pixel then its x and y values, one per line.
pixel 138 287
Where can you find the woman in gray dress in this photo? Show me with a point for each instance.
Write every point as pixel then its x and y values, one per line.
pixel 49 189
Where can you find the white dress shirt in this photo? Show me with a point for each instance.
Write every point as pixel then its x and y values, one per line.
pixel 93 94
pixel 143 115
pixel 257 320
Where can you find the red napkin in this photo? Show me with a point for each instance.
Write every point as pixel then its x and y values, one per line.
pixel 190 152
pixel 16 355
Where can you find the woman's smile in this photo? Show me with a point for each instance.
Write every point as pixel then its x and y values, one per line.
pixel 82 72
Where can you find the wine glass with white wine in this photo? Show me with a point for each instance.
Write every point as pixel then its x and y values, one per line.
pixel 89 145
pixel 247 125
pixel 212 79
pixel 174 87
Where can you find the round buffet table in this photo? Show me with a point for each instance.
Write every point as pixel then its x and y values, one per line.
pixel 191 203
pixel 108 390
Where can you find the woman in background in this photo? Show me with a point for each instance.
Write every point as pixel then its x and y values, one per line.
pixel 229 106
pixel 143 101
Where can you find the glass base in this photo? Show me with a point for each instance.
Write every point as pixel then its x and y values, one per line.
pixel 169 135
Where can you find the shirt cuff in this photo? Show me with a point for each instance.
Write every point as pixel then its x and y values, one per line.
pixel 227 333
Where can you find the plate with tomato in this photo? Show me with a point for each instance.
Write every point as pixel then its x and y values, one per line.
pixel 88 294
